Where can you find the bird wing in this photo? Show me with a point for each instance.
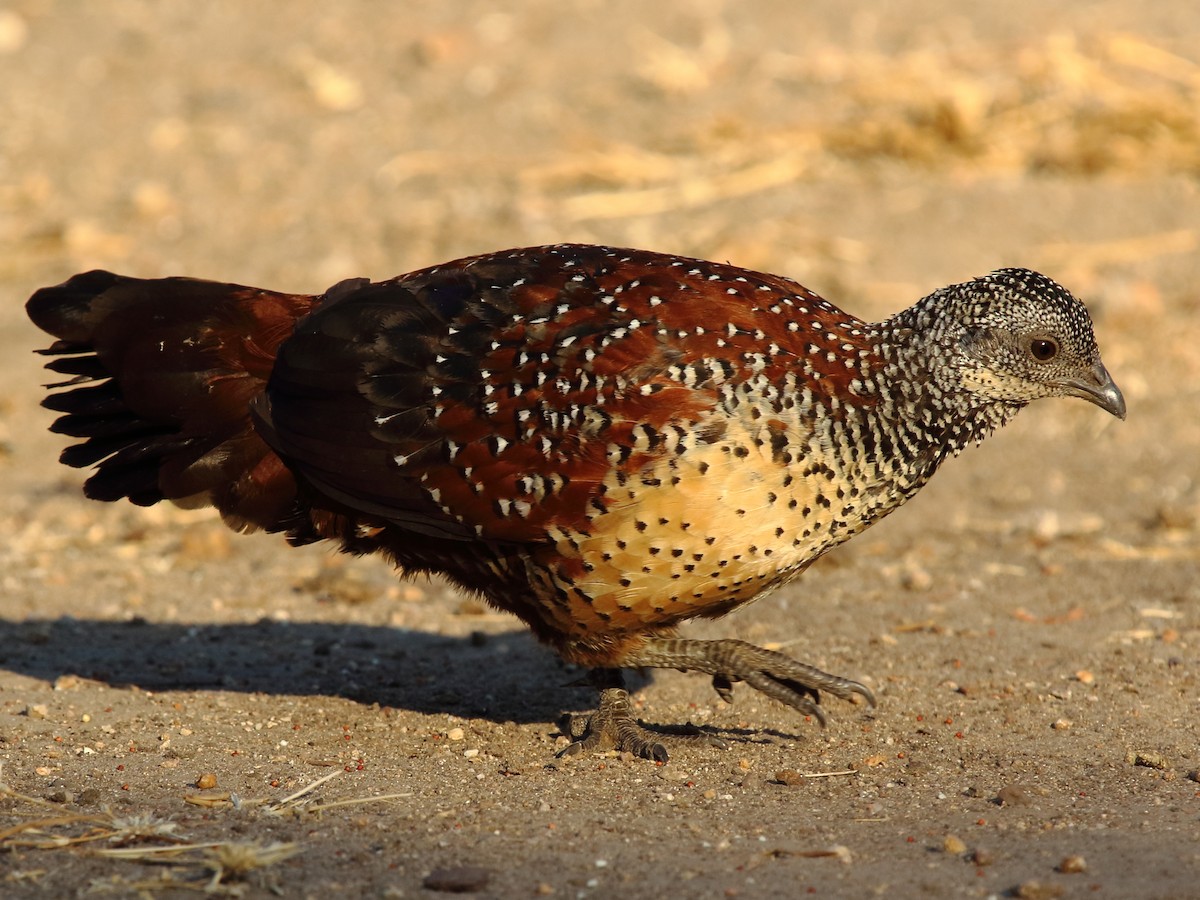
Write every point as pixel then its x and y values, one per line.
pixel 492 397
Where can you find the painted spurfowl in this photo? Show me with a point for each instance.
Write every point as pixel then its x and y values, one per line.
pixel 603 442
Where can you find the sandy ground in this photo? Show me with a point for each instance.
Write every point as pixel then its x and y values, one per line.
pixel 1030 622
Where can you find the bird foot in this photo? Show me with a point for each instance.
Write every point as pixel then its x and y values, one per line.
pixel 613 726
pixel 780 677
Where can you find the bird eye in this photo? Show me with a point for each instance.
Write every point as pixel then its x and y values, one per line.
pixel 1043 349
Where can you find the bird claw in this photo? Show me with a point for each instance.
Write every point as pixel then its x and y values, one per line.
pixel 613 727
pixel 793 683
pixel 723 685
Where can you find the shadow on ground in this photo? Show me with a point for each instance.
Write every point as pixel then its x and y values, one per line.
pixel 504 677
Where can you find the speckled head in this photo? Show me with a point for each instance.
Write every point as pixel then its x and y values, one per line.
pixel 1015 336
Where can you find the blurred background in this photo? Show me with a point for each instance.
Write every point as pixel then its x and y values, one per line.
pixel 873 152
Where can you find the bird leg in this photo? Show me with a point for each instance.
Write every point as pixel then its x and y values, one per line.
pixel 613 724
pixel 780 677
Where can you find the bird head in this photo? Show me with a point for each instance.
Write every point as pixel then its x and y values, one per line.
pixel 1017 336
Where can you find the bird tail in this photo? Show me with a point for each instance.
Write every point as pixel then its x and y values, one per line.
pixel 160 377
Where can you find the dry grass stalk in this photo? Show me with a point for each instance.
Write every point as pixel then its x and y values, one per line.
pixel 220 862
pixel 1111 104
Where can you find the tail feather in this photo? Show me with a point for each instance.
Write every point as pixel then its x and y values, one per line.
pixel 104 400
pixel 162 373
pixel 87 366
pixel 122 424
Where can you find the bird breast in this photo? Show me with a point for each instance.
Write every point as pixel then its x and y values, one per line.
pixel 708 527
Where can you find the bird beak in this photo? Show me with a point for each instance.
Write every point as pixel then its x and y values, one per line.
pixel 1100 389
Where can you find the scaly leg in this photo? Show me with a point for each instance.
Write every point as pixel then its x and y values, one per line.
pixel 780 677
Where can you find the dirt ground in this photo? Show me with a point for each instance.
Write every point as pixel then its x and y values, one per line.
pixel 171 694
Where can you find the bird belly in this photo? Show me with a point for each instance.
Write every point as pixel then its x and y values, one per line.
pixel 696 534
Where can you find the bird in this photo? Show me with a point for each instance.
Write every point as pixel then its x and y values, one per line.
pixel 604 442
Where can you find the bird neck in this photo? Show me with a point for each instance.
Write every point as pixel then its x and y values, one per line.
pixel 922 406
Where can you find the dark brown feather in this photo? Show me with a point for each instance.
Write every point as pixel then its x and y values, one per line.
pixel 183 359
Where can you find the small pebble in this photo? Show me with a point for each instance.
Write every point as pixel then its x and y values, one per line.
pixel 1148 758
pixel 1061 724
pixel 790 777
pixel 1036 890
pixel 1013 795
pixel 916 579
pixel 1072 864
pixel 332 89
pixel 457 879
pixel 207 781
pixel 953 845
pixel 14 32
pixel 455 734
pixel 1083 676
pixel 983 857
pixel 89 796
pixel 1194 775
